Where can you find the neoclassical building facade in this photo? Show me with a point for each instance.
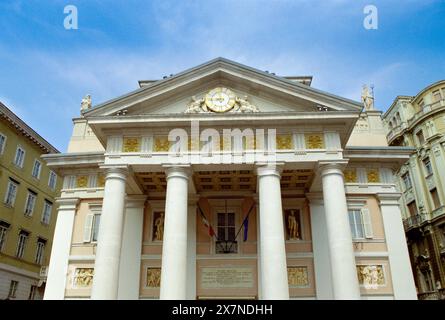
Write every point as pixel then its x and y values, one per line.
pixel 224 181
pixel 419 121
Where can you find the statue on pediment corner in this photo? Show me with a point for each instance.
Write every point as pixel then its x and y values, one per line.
pixel 243 105
pixel 85 104
pixel 196 106
pixel 368 97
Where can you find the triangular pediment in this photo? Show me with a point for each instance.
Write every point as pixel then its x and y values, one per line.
pixel 256 89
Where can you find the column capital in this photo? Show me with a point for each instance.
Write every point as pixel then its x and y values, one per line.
pixel 269 170
pixel 177 171
pixel 115 172
pixel 136 201
pixel 67 203
pixel 389 199
pixel 332 167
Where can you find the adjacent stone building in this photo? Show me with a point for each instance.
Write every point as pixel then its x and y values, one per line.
pixel 27 208
pixel 419 122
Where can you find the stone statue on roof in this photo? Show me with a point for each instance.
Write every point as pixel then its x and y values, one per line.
pixel 86 103
pixel 368 97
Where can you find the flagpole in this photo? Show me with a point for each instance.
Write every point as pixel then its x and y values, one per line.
pixel 244 221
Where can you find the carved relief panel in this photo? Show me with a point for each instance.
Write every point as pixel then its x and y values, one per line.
pixel 83 277
pixel 153 278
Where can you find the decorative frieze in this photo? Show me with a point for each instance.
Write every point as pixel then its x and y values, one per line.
pixel 81 182
pixel 298 276
pixel 350 176
pixel 161 144
pixel 83 277
pixel 284 142
pixel 84 181
pixel 100 180
pixel 131 144
pixel 373 176
pixel 314 141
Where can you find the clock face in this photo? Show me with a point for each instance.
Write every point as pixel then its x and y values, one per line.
pixel 220 99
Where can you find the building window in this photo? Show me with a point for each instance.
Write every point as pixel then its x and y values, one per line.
pixel 30 203
pixel 47 208
pixel 436 96
pixel 11 193
pixel 36 169
pixel 4 227
pixel 19 157
pixel 428 280
pixel 226 233
pixel 356 224
pixel 41 243
pixel 2 143
pixel 412 207
pixel 407 181
pixel 420 137
pixel 52 180
pixel 23 237
pixel 435 197
pixel 91 228
pixel 13 289
pixel 32 293
pixel 428 167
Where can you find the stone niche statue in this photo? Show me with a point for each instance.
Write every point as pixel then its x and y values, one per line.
pixel 293 225
pixel 158 226
pixel 86 103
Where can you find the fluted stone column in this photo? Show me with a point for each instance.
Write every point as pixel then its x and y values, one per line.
pixel 174 245
pixel 401 272
pixel 343 268
pixel 106 268
pixel 60 252
pixel 191 248
pixel 274 282
pixel 131 251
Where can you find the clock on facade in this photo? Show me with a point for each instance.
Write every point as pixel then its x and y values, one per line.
pixel 220 99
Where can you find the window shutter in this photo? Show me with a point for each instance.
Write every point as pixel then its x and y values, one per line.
pixel 87 228
pixel 367 224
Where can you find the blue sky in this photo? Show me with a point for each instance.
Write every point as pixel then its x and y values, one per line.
pixel 46 70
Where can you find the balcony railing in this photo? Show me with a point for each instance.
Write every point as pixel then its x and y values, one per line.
pixel 414 221
pixel 432 295
pixel 427 108
pixel 438 212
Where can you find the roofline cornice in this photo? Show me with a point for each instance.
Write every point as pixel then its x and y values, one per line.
pixel 26 130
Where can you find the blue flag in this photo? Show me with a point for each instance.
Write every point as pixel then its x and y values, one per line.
pixel 246 227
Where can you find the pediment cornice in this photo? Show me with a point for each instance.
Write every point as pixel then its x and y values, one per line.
pixel 223 70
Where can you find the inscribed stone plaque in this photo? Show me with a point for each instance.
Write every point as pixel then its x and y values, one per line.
pixel 226 277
